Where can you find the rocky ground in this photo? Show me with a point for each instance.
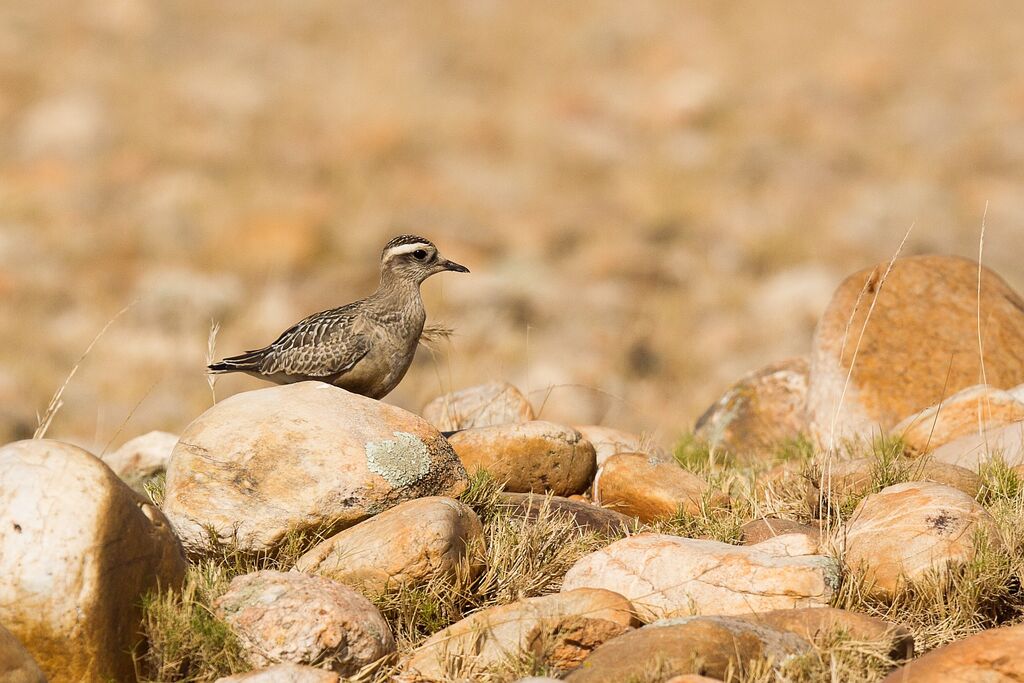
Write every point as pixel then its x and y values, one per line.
pixel 857 515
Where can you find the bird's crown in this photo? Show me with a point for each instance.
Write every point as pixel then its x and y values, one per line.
pixel 404 243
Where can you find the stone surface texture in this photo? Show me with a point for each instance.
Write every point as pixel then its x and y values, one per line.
pixel 763 410
pixel 668 576
pixel 560 629
pixel 142 457
pixel 587 516
pixel 485 405
pixel 992 656
pixel 406 546
pixel 300 457
pixel 974 450
pixel 289 617
pixel 78 550
pixel 912 352
pixel 818 622
pixel 904 531
pixel 706 646
pixel 973 411
pixel 633 484
pixel 16 663
pixel 533 456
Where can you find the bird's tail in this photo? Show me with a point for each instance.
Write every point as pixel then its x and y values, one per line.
pixel 250 360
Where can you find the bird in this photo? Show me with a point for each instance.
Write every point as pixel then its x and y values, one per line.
pixel 364 347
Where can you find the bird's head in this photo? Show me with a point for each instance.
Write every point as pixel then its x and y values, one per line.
pixel 413 258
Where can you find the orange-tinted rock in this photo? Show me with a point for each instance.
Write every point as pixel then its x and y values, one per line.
pixel 709 646
pixel 763 529
pixel 633 484
pixel 913 352
pixel 1005 443
pixel 818 622
pixel 963 414
pixel 408 545
pixel 992 656
pixel 904 531
pixel 758 413
pixel 587 516
pixel 533 456
pixel 558 629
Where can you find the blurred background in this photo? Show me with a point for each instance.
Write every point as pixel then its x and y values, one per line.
pixel 654 197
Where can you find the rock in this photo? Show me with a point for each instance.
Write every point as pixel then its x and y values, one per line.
pixel 283 673
pixel 299 457
pixel 761 411
pixel 78 550
pixel 632 484
pixel 16 664
pixel 408 545
pixel 912 353
pixel 300 619
pixel 142 457
pixel 972 451
pixel 587 516
pixel 711 646
pixel 531 456
pixel 767 528
pixel 668 576
pixel 559 630
pixel 693 678
pixel 789 545
pixel 906 530
pixel 958 416
pixel 847 479
pixel 817 622
pixel 486 405
pixel 608 441
pixel 991 656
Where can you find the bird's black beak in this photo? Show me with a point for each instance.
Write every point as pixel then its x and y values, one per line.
pixel 455 267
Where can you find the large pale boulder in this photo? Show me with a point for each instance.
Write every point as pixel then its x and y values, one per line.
pixel 973 411
pixel 668 576
pixel 586 516
pixel 142 457
pixel 299 457
pixel 904 531
pixel 814 623
pixel 713 646
pixel 633 484
pixel 533 456
pixel 763 410
pixel 912 352
pixel 16 663
pixel 485 405
pixel 78 551
pixel 992 656
pixel 974 450
pixel 608 441
pixel 291 617
pixel 558 629
pixel 408 545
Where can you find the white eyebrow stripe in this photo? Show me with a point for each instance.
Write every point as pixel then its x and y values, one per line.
pixel 406 249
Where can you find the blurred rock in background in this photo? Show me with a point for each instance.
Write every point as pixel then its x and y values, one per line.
pixel 648 211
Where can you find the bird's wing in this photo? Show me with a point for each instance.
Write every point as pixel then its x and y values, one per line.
pixel 321 345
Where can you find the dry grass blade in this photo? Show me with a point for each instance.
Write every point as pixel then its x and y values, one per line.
pixel 211 356
pixel 57 401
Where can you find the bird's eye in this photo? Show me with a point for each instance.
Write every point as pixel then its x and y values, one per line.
pixel 419 254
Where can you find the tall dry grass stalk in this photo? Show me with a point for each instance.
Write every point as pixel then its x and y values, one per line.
pixel 57 401
pixel 211 356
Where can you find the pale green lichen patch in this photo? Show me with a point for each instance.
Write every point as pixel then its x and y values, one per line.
pixel 402 461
